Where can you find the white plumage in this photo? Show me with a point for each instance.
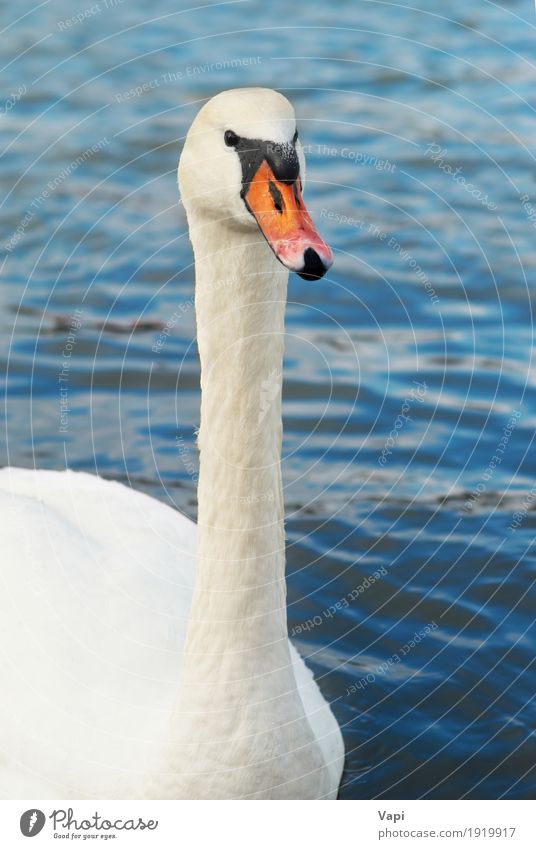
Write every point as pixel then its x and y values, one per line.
pixel 97 579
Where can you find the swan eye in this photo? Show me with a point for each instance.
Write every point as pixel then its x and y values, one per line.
pixel 230 138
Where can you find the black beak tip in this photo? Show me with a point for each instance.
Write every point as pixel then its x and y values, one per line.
pixel 313 267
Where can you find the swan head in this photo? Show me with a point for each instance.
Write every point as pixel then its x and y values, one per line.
pixel 243 165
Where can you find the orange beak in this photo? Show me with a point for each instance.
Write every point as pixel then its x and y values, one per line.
pixel 286 225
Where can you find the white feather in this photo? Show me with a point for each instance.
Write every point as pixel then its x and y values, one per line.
pixel 116 684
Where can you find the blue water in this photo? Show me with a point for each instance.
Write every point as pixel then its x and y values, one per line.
pixel 409 382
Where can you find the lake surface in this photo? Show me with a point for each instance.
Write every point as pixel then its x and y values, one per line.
pixel 409 469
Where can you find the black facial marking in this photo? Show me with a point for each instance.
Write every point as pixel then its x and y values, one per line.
pixel 231 139
pixel 251 155
pixel 282 158
pixel 276 196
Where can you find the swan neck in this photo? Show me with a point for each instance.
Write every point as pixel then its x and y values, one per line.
pixel 240 303
pixel 239 717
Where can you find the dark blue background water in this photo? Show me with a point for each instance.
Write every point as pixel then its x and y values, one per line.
pixel 420 342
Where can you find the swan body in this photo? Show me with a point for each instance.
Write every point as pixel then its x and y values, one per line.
pixel 141 655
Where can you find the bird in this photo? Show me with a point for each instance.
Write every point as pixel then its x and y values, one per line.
pixel 143 655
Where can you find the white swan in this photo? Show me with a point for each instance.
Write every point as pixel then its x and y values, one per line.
pixel 132 665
